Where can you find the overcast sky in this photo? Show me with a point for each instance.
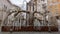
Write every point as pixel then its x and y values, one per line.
pixel 20 3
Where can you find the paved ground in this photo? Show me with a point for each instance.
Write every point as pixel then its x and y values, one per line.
pixel 30 33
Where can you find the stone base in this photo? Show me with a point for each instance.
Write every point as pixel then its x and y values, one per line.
pixel 30 28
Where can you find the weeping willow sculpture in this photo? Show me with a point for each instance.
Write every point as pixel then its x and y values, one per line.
pixel 30 21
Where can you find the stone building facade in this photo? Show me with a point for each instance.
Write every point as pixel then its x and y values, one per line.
pixel 37 6
pixel 42 6
pixel 5 8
